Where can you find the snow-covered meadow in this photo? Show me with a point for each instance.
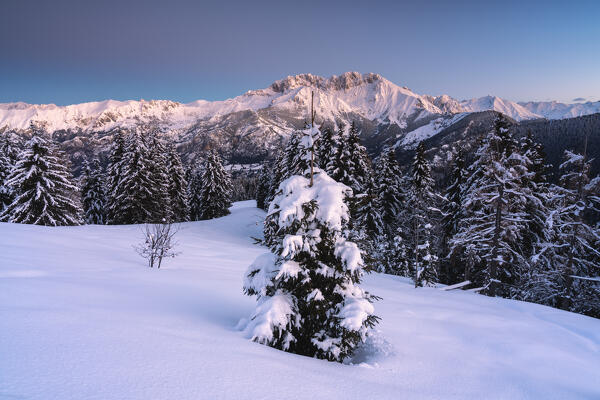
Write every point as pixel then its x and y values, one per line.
pixel 82 317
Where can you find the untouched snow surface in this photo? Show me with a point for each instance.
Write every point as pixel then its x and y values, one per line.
pixel 82 317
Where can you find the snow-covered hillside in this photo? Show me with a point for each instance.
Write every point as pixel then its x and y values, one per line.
pixel 82 317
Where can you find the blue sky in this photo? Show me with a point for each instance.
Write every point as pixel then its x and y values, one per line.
pixel 71 51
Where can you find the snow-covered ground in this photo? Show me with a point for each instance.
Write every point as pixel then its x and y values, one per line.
pixel 82 317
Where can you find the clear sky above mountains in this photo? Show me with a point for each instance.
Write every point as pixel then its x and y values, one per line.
pixel 71 51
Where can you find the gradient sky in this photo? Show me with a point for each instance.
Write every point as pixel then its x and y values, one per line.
pixel 71 51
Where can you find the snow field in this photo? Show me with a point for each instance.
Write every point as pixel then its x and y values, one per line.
pixel 82 317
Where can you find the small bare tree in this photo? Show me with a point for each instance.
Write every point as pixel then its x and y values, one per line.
pixel 158 243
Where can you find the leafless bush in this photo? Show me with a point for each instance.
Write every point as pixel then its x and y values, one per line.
pixel 158 243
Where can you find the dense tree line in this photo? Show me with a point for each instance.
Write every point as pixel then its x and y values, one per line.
pixel 144 182
pixel 500 218
pixel 498 221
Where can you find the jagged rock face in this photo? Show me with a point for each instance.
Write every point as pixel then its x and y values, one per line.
pixel 252 126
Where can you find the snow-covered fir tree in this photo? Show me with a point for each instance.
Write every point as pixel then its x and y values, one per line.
pixel 355 161
pixel 44 189
pixel 327 149
pixel 177 186
pixel 114 173
pixel 422 210
pixel 155 155
pixel 309 301
pixel 132 198
pixel 389 189
pixel 263 186
pixel 7 161
pixel 452 213
pixel 489 237
pixel 368 230
pixel 392 254
pixel 195 190
pixel 215 194
pixel 536 232
pixel 92 193
pixel 577 242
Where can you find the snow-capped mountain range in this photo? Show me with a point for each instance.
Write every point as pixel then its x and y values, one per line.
pixel 265 115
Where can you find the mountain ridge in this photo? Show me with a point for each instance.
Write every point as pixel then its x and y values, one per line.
pixel 369 95
pixel 254 125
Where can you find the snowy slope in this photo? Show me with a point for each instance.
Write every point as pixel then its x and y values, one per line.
pixel 83 318
pixel 412 138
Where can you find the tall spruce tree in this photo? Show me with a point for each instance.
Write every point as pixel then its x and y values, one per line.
pixel 263 186
pixel 452 213
pixel 195 190
pixel 154 151
pixel 489 238
pixel 45 191
pixel 177 186
pixel 9 154
pixel 389 189
pixel 114 174
pixel 358 163
pixel 327 149
pixel 423 222
pixel 92 193
pixel 132 200
pixel 577 242
pixel 215 194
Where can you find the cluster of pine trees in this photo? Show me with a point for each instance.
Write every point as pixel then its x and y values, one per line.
pixel 496 221
pixel 144 182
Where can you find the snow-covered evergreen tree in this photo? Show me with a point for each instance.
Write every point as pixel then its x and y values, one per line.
pixel 154 152
pixel 422 208
pixel 452 213
pixel 263 186
pixel 177 186
pixel 195 190
pixel 215 194
pixel 92 193
pixel 577 243
pixel 309 301
pixel 45 191
pixel 11 146
pixel 114 174
pixel 356 161
pixel 7 161
pixel 389 189
pixel 132 197
pixel 489 238
pixel 327 150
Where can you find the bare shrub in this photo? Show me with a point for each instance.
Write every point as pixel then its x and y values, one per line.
pixel 158 243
